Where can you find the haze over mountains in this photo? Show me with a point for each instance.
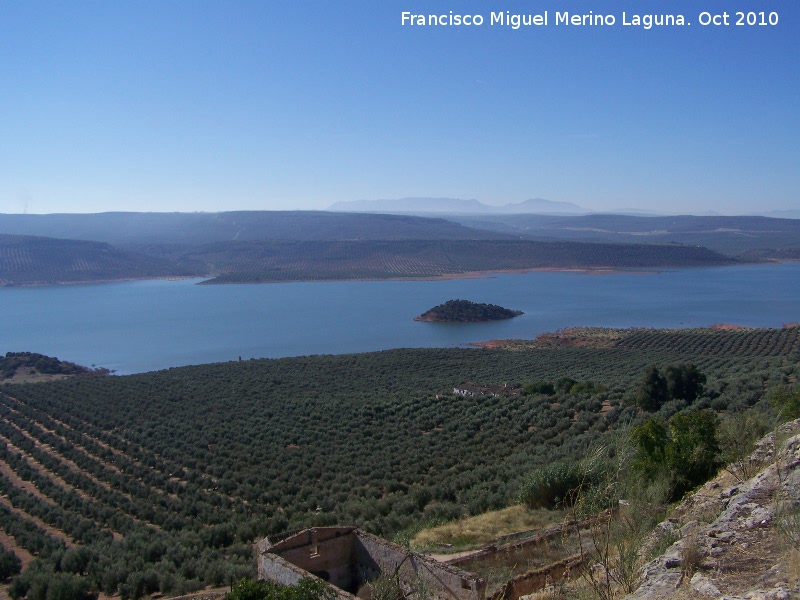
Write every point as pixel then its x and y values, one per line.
pixel 262 246
pixel 456 205
pixel 137 229
pixel 538 206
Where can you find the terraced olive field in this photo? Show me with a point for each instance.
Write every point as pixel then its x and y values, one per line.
pixel 161 481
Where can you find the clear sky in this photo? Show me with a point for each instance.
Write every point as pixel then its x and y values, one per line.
pixel 174 105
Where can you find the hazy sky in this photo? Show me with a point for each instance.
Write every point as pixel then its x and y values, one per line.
pixel 294 104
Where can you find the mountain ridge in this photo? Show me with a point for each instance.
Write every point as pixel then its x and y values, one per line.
pixel 457 205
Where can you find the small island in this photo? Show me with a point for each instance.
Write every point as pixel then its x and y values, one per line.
pixel 464 311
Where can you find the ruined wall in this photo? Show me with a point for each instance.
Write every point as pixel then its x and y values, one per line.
pixel 326 553
pixel 535 581
pixel 416 573
pixel 348 558
pixel 281 571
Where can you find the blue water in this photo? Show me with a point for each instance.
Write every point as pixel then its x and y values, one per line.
pixel 146 325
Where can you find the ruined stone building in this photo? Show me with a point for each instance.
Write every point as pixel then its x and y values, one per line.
pixel 348 559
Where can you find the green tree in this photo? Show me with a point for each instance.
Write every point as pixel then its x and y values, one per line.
pixel 685 450
pixel 540 387
pixel 693 454
pixel 10 564
pixel 684 382
pixel 652 393
pixel 40 582
pixel 651 439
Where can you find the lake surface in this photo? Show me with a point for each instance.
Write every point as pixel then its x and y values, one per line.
pixel 141 326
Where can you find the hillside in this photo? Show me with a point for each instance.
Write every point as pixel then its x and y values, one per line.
pixel 733 236
pixel 737 535
pixel 376 440
pixel 251 247
pixel 234 262
pixel 34 260
pixel 134 230
pixel 27 367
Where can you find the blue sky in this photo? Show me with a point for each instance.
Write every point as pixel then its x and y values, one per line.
pixel 278 104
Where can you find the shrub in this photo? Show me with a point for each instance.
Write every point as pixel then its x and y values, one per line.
pixel 737 436
pixel 693 455
pixel 559 483
pixel 685 450
pixel 786 402
pixel 249 589
pixel 10 564
pixel 540 387
pixel 38 582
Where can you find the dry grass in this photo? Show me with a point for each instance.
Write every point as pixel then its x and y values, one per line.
pixel 691 552
pixel 26 376
pixel 478 531
pixel 792 566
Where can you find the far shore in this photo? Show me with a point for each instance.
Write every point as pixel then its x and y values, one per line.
pixel 485 274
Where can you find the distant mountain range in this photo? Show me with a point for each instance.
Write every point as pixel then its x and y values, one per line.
pixel 459 206
pixel 539 206
pixel 135 230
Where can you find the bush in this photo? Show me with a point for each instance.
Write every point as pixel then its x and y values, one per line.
pixel 10 564
pixel 249 589
pixel 685 450
pixel 737 436
pixel 40 583
pixel 540 387
pixel 693 454
pixel 786 402
pixel 559 483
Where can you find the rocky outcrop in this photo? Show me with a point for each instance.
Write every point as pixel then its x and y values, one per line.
pixel 733 536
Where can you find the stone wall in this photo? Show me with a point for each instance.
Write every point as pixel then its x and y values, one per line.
pixel 418 574
pixel 535 581
pixel 326 553
pixel 348 558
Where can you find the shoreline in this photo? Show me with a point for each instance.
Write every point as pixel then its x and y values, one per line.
pixel 603 336
pixel 482 274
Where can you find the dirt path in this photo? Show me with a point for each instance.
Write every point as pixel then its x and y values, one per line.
pixel 9 543
pixel 49 529
pixel 52 452
pixel 42 470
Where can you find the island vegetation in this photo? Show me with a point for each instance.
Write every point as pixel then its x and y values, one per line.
pixel 464 311
pixel 160 482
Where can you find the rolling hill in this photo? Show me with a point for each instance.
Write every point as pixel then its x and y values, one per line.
pixel 729 235
pixel 141 229
pixel 161 481
pixel 29 260
pixel 238 247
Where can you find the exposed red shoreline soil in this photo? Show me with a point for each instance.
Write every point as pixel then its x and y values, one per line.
pixel 592 337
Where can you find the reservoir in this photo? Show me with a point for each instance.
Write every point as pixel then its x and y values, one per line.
pixel 137 326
